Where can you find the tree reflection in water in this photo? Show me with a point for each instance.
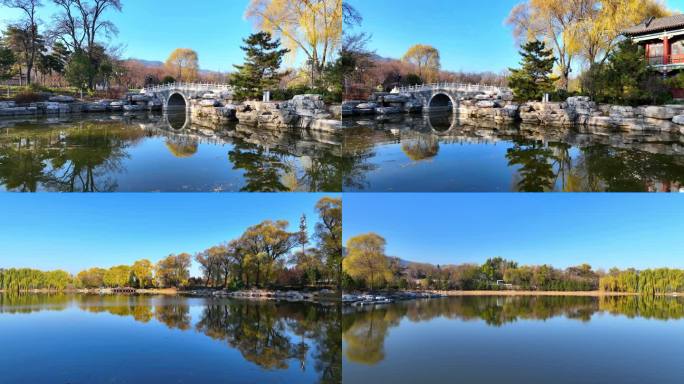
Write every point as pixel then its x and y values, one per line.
pixel 538 158
pixel 94 155
pixel 536 172
pixel 365 330
pixel 423 147
pixel 272 335
pixel 262 332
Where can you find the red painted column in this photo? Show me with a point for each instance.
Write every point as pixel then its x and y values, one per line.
pixel 666 50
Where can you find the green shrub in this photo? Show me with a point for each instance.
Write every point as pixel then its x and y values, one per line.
pixel 561 95
pixel 289 93
pixel 676 81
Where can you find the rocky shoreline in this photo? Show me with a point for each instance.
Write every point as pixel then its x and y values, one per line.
pixel 323 295
pixel 362 299
pixel 308 112
pixel 578 111
pixel 57 105
pixel 262 294
pixel 365 299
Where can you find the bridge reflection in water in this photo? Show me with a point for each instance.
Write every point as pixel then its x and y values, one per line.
pixel 440 152
pixel 163 152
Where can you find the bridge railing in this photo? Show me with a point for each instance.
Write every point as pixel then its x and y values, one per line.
pixel 452 86
pixel 188 86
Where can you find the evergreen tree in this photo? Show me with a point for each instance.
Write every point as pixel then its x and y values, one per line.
pixel 260 71
pixel 7 61
pixel 303 235
pixel 534 79
pixel 629 79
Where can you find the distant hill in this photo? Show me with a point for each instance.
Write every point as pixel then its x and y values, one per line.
pixel 147 63
pixel 159 64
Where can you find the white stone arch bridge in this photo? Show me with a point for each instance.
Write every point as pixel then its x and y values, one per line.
pixel 178 95
pixel 443 96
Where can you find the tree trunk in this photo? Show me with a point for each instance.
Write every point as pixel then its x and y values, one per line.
pixel 257 274
pixel 29 68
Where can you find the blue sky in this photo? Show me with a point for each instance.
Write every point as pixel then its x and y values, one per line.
pixel 151 29
pixel 73 232
pixel 470 35
pixel 604 230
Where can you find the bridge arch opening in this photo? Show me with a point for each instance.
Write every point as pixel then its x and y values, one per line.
pixel 441 123
pixel 441 102
pixel 176 101
pixel 177 120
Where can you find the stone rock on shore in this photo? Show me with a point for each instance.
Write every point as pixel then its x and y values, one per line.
pixel 679 119
pixel 387 110
pixel 62 99
pixel 662 113
pixel 309 106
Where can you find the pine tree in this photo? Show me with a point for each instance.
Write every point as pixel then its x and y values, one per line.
pixel 534 79
pixel 260 72
pixel 303 236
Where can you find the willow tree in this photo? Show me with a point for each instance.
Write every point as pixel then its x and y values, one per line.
pixel 311 27
pixel 366 259
pixel 579 29
pixel 426 58
pixel 118 276
pixel 174 270
pixel 598 34
pixel 142 271
pixel 553 21
pixel 183 64
pixel 266 243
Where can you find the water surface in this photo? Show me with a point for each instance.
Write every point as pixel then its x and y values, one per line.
pixel 517 340
pixel 93 339
pixel 436 153
pixel 153 152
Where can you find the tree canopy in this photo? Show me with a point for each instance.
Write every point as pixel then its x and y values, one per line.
pixel 184 64
pixel 426 58
pixel 311 27
pixel 260 72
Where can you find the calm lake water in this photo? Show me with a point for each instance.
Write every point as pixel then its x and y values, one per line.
pixel 154 152
pixel 438 154
pixel 140 339
pixel 516 340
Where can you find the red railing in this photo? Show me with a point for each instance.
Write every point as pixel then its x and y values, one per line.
pixel 660 60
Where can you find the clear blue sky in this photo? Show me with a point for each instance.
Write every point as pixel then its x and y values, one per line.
pixel 604 230
pixel 73 232
pixel 151 29
pixel 470 35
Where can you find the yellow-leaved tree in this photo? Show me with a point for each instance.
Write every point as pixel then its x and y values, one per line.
pixel 598 35
pixel 366 260
pixel 426 59
pixel 579 29
pixel 311 27
pixel 183 64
